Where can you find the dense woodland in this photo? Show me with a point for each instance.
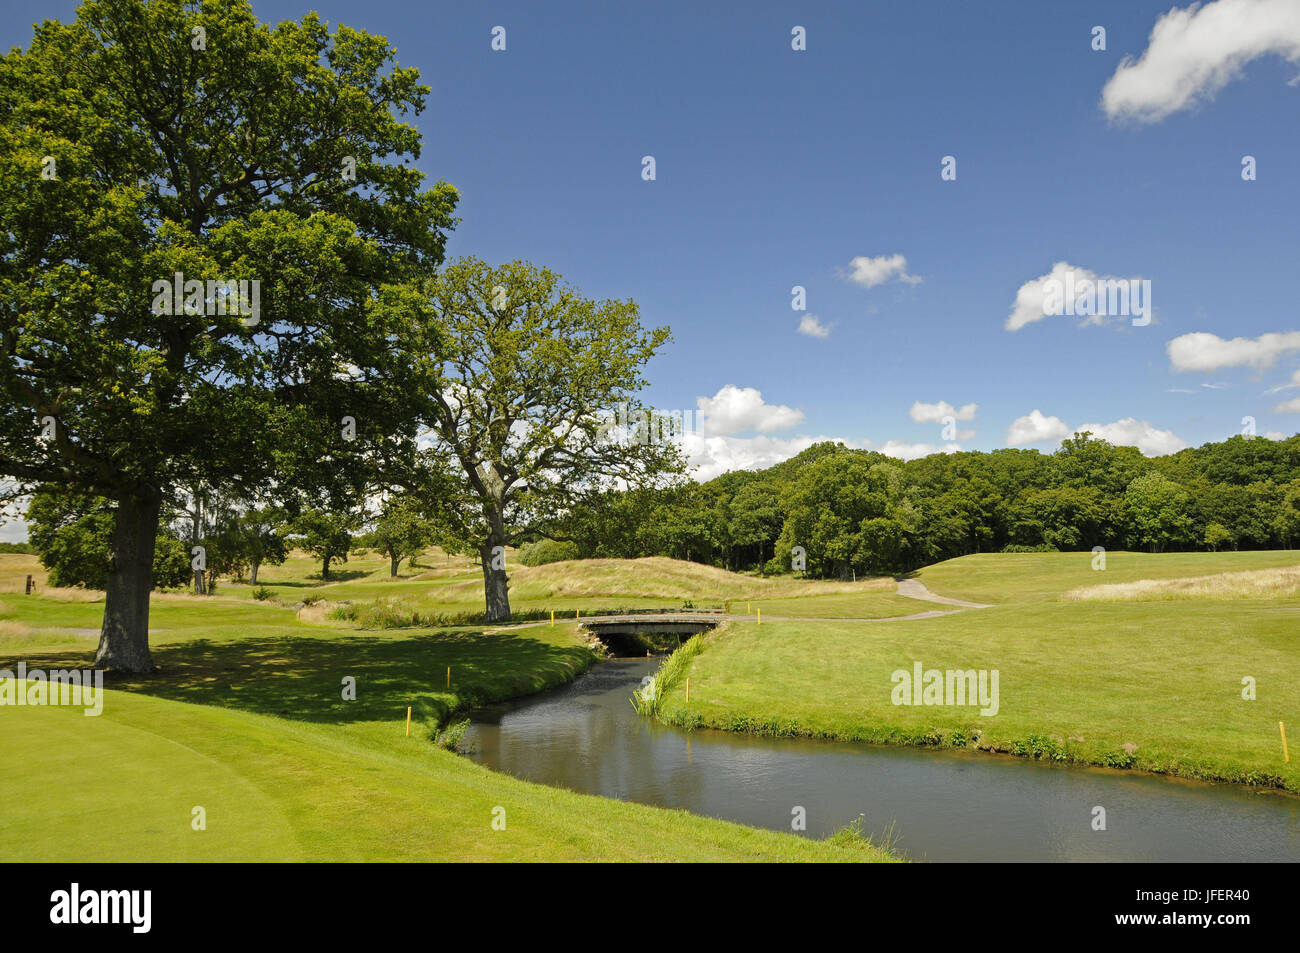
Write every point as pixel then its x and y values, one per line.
pixel 857 511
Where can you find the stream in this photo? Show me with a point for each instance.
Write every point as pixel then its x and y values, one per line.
pixel 935 805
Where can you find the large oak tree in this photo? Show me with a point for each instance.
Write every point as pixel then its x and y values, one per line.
pixel 156 137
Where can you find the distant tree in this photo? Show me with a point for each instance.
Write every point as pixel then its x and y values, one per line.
pixel 531 380
pixel 1158 512
pixel 1087 461
pixel 1287 520
pixel 327 535
pixel 1216 535
pixel 262 539
pixel 756 517
pixel 401 531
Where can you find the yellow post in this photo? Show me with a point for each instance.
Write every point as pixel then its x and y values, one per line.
pixel 449 676
pixel 1286 756
pixel 688 691
pixel 760 616
pixel 408 721
pixel 576 613
pixel 552 617
pixel 748 610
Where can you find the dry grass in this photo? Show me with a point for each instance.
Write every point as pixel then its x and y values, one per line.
pixel 655 577
pixel 1251 584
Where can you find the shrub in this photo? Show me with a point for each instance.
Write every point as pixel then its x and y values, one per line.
pixel 1037 548
pixel 547 551
pixel 451 736
pixel 261 593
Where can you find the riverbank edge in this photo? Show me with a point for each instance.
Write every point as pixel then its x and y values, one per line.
pixel 441 715
pixel 849 837
pixel 671 710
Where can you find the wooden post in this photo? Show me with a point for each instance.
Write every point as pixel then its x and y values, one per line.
pixel 1286 755
pixel 408 721
pixel 29 584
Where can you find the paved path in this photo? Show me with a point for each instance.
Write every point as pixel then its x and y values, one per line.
pixel 915 589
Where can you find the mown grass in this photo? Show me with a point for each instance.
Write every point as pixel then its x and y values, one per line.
pixel 123 786
pixel 247 719
pixel 1149 685
pixel 1044 577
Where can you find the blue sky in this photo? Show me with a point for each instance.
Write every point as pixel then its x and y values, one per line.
pixel 777 168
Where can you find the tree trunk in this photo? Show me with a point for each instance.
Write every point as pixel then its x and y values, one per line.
pixel 124 636
pixel 325 569
pixel 495 588
pixel 252 576
pixel 394 560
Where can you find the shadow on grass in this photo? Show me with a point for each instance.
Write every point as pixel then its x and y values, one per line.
pixel 302 678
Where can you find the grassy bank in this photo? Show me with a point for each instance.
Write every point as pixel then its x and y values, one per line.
pixel 1152 685
pixel 247 719
pixel 123 787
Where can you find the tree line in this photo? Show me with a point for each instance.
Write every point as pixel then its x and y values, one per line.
pixel 857 511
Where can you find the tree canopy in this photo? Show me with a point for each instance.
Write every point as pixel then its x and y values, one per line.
pixel 187 146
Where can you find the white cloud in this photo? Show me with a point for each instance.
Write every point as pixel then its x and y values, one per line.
pixel 713 456
pixel 1291 406
pixel 1130 432
pixel 734 409
pixel 1194 52
pixel 1274 435
pixel 1031 302
pixel 1035 428
pixel 1292 383
pixel 812 326
pixel 934 413
pixel 870 272
pixel 912 451
pixel 1202 351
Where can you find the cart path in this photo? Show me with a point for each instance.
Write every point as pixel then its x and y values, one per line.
pixel 915 589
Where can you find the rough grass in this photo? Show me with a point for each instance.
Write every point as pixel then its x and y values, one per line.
pixel 1248 584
